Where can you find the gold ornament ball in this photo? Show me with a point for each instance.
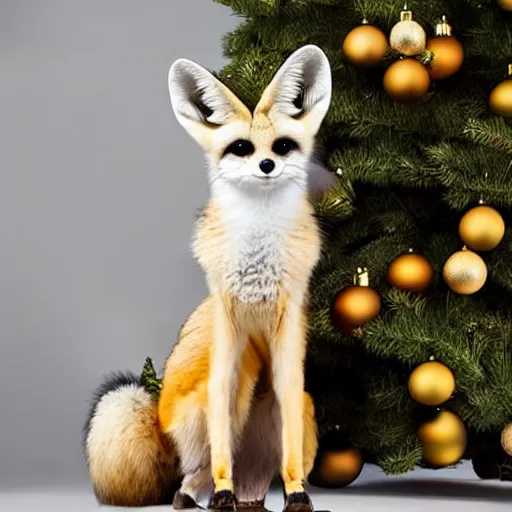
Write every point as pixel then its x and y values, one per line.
pixel 448 56
pixel 408 38
pixel 465 272
pixel 506 5
pixel 443 455
pixel 500 99
pixel 506 439
pixel 366 46
pixel 444 439
pixel 431 383
pixel 411 272
pixel 407 81
pixel 482 228
pixel 445 428
pixel 355 306
pixel 337 468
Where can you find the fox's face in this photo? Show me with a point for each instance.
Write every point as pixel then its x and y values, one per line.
pixel 264 149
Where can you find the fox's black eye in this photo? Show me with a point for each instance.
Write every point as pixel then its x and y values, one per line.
pixel 283 146
pixel 240 147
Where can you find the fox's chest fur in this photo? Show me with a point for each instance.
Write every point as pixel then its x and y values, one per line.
pixel 256 249
pixel 254 259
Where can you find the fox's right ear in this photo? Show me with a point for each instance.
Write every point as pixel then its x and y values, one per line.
pixel 202 103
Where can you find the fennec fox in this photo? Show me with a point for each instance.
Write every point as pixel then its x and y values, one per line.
pixel 232 409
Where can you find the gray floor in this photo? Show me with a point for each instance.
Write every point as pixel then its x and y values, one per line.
pixel 420 491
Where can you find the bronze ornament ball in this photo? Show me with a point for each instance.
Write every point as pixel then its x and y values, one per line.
pixel 337 468
pixel 448 56
pixel 407 81
pixel 431 383
pixel 355 306
pixel 365 46
pixel 506 5
pixel 465 272
pixel 482 228
pixel 411 272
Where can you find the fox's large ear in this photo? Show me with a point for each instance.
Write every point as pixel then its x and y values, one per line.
pixel 202 103
pixel 301 88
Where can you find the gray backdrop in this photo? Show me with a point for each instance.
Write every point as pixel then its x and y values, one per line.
pixel 98 193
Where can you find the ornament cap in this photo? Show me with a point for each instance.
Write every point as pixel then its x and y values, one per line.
pixel 510 69
pixel 406 15
pixel 443 28
pixel 362 278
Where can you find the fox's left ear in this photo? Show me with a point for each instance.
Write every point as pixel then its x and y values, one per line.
pixel 301 89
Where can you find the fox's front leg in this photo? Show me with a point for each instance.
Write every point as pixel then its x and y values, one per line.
pixel 228 346
pixel 288 377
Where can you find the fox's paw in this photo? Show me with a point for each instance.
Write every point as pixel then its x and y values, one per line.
pixel 223 500
pixel 298 502
pixel 184 502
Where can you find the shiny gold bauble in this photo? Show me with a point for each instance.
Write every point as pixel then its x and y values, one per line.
pixel 408 38
pixel 337 468
pixel 506 439
pixel 355 306
pixel 448 56
pixel 506 5
pixel 411 272
pixel 407 81
pixel 444 439
pixel 431 383
pixel 500 99
pixel 465 272
pixel 482 228
pixel 366 46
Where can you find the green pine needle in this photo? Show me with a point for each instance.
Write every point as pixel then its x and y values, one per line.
pixel 150 380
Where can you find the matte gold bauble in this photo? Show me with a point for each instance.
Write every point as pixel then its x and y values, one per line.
pixel 408 37
pixel 431 383
pixel 465 272
pixel 337 468
pixel 506 439
pixel 411 272
pixel 443 455
pixel 407 81
pixel 506 5
pixel 444 439
pixel 482 228
pixel 356 305
pixel 445 428
pixel 448 52
pixel 500 99
pixel 366 45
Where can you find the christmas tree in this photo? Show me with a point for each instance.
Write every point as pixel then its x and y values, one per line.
pixel 410 345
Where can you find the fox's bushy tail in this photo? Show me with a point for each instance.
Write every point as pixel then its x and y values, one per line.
pixel 130 462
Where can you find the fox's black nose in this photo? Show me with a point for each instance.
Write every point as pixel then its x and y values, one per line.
pixel 267 165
